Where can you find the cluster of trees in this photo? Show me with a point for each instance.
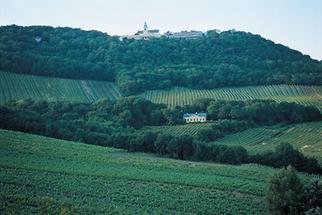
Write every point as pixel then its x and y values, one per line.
pixel 287 195
pixel 72 121
pixel 229 58
pixel 185 147
pixel 106 123
pixel 285 155
pixel 260 112
pixel 222 128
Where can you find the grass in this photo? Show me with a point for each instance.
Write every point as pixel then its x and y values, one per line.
pixel 307 95
pixel 305 136
pixel 19 86
pixel 44 174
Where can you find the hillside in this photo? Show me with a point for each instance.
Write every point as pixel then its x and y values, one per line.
pixel 224 59
pixel 306 95
pixel 20 86
pixel 49 175
pixel 305 136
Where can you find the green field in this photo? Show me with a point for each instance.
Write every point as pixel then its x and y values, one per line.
pixel 39 172
pixel 307 137
pixel 307 95
pixel 186 129
pixel 19 86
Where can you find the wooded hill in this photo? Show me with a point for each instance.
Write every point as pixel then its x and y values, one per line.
pixel 229 58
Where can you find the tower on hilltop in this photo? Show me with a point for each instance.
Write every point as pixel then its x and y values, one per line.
pixel 144 34
pixel 145 26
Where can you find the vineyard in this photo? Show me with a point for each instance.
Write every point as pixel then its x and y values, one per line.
pixel 307 95
pixel 187 129
pixel 18 86
pixel 306 137
pixel 40 173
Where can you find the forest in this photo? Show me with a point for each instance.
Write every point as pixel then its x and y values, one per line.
pixel 219 59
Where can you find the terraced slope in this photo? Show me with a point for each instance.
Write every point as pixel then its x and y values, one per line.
pixel 19 86
pixel 306 137
pixel 307 95
pixel 44 174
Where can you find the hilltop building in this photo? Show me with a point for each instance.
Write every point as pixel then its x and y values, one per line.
pixel 185 34
pixel 144 34
pixel 195 117
pixel 147 34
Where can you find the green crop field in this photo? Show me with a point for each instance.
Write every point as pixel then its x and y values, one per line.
pixel 307 95
pixel 186 129
pixel 307 137
pixel 19 86
pixel 44 174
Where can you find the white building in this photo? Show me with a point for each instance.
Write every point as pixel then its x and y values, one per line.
pixel 144 34
pixel 185 34
pixel 195 117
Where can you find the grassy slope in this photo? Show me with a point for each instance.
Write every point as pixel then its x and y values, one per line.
pixel 18 86
pixel 92 179
pixel 305 137
pixel 308 95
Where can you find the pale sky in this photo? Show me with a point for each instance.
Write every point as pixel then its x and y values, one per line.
pixel 294 23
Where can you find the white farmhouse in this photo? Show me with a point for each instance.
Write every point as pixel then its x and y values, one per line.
pixel 195 117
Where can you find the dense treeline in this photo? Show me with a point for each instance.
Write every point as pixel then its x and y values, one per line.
pixel 63 119
pixel 117 123
pixel 285 155
pixel 228 58
pixel 260 112
pixel 126 112
pixel 94 123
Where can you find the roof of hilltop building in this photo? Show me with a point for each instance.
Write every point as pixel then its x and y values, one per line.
pixel 146 34
pixel 194 114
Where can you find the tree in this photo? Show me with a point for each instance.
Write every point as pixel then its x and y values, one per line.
pixel 161 143
pixel 313 198
pixel 285 192
pixel 181 147
pixel 208 134
pixel 233 155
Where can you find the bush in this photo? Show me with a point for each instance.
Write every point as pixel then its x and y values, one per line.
pixel 287 195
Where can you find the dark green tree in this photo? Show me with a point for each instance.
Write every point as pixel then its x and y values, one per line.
pixel 285 192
